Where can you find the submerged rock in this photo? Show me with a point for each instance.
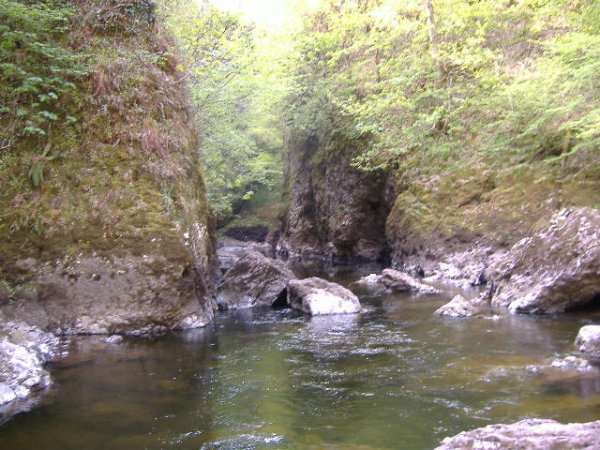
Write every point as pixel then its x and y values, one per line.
pixel 23 352
pixel 555 270
pixel 316 296
pixel 573 363
pixel 254 280
pixel 392 280
pixel 458 307
pixel 528 434
pixel 588 341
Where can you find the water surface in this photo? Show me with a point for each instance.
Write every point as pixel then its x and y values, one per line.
pixel 394 376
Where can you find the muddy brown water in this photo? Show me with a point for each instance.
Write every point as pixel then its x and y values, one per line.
pixel 393 377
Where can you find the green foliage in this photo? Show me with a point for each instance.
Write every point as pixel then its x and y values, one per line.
pixel 232 88
pixel 37 69
pixel 503 83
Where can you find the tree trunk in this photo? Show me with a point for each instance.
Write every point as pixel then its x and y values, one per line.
pixel 432 31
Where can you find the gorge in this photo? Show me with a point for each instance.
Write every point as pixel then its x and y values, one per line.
pixel 342 231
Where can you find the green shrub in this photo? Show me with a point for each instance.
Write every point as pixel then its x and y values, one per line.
pixel 37 68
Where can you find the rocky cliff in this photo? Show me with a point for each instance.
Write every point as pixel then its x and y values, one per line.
pixel 115 234
pixel 335 210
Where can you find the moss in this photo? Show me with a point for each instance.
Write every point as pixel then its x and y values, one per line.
pixel 502 204
pixel 105 191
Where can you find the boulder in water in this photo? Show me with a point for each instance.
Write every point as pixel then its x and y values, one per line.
pixel 392 280
pixel 316 296
pixel 230 250
pixel 254 280
pixel 23 352
pixel 527 434
pixel 555 270
pixel 588 341
pixel 457 307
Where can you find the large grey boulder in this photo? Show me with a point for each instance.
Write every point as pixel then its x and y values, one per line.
pixel 555 270
pixel 529 434
pixel 23 352
pixel 457 307
pixel 316 296
pixel 254 280
pixel 588 341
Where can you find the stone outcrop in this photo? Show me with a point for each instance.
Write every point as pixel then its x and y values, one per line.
pixel 23 352
pixel 553 271
pixel 588 342
pixel 529 434
pixel 316 296
pixel 392 280
pixel 105 295
pixel 254 280
pixel 335 210
pixel 458 307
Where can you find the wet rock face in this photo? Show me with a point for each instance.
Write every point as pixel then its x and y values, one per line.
pixel 254 280
pixel 316 296
pixel 588 341
pixel 555 270
pixel 130 295
pixel 23 351
pixel 528 434
pixel 335 210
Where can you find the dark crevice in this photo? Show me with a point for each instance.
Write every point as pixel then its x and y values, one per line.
pixel 587 307
pixel 281 300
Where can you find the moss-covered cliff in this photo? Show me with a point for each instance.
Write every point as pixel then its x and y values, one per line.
pixel 105 223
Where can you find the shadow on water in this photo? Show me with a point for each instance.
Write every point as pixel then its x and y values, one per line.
pixel 394 376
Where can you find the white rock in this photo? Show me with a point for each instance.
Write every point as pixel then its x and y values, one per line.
pixel 528 434
pixel 316 296
pixel 7 395
pixel 457 307
pixel 114 339
pixel 588 341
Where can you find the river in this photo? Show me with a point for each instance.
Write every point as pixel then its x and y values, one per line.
pixel 393 377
